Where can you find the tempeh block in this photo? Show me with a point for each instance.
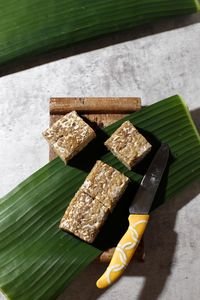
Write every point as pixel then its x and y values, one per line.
pixel 93 202
pixel 128 145
pixel 69 135
pixel 84 217
pixel 105 184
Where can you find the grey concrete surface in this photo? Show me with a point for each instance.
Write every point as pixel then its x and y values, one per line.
pixel 153 67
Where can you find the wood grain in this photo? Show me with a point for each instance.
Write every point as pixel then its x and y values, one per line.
pixel 94 105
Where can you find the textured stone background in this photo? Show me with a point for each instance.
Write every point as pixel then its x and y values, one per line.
pixel 149 63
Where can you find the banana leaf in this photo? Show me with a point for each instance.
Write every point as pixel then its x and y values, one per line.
pixel 32 27
pixel 37 260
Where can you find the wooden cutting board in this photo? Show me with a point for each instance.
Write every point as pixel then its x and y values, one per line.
pixel 102 111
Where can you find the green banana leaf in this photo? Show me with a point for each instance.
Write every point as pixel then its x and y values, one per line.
pixel 37 260
pixel 32 27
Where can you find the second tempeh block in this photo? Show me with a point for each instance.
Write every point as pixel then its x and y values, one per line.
pixel 84 217
pixel 105 183
pixel 95 199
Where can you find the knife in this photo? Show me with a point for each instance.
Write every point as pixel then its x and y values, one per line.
pixel 138 218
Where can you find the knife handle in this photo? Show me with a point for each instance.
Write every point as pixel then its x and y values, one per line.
pixel 124 250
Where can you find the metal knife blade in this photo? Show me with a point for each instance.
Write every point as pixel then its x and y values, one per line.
pixel 143 200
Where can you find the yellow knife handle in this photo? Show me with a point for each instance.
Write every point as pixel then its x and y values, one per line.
pixel 124 250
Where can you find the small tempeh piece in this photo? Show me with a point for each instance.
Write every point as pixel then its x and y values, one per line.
pixel 128 145
pixel 105 184
pixel 84 217
pixel 69 135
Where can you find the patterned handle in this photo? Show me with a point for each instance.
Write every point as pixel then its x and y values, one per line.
pixel 124 250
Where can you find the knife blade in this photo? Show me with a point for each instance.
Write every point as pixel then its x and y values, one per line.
pixel 138 218
pixel 143 200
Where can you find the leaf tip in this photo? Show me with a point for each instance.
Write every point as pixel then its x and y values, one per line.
pixel 197 2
